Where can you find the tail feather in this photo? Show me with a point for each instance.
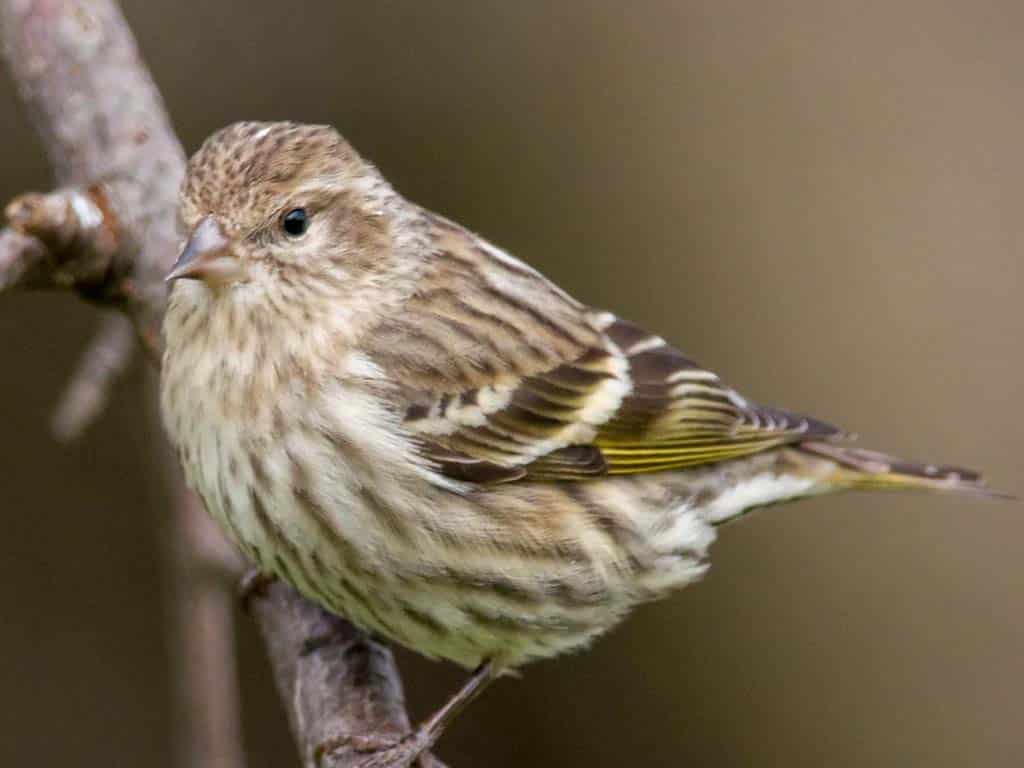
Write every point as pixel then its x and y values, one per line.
pixel 860 468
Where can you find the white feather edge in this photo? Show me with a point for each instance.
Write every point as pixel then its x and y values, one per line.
pixel 756 491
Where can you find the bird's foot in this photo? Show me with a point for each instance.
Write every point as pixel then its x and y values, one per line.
pixel 380 750
pixel 387 751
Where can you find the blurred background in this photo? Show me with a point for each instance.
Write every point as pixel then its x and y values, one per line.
pixel 821 201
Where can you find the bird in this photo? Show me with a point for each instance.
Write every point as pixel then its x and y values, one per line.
pixel 428 437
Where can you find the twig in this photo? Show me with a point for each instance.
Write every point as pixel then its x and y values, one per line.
pixel 104 360
pixel 360 692
pixel 22 261
pixel 208 727
pixel 108 137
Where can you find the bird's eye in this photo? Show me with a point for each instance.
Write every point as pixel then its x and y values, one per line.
pixel 295 222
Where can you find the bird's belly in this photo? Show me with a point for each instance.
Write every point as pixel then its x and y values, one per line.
pixel 458 623
pixel 521 572
pixel 436 606
pixel 352 555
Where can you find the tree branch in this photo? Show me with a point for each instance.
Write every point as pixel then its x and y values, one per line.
pixel 359 693
pixel 22 261
pixel 105 358
pixel 109 233
pixel 202 567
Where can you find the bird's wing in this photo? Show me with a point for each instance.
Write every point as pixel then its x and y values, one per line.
pixel 503 376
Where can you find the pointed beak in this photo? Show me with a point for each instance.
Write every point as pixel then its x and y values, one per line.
pixel 207 256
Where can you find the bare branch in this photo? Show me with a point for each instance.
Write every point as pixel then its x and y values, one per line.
pixel 102 122
pixel 104 360
pixel 359 691
pixel 71 239
pixel 110 234
pixel 22 261
pixel 202 571
pixel 81 236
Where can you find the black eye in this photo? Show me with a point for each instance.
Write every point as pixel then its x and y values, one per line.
pixel 295 222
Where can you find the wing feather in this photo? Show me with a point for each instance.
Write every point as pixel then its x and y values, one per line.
pixel 504 377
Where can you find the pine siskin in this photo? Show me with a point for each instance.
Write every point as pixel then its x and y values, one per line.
pixel 428 437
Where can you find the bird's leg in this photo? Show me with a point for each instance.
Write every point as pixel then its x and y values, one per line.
pixel 436 724
pixel 407 750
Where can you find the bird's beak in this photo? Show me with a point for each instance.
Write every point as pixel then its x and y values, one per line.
pixel 207 255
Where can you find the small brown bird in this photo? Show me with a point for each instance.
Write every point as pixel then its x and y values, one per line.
pixel 428 437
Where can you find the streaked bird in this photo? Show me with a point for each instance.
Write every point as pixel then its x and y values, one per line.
pixel 428 437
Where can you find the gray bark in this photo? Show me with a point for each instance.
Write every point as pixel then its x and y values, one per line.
pixel 109 233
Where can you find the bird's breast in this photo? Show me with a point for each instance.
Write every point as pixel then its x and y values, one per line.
pixel 291 457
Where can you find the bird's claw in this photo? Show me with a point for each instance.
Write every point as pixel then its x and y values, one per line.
pixel 380 750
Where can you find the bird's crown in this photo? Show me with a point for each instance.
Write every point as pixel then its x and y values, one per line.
pixel 244 167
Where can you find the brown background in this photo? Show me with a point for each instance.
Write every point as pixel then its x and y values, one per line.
pixel 820 200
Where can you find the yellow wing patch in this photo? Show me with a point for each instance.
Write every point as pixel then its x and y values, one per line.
pixel 635 406
pixel 503 377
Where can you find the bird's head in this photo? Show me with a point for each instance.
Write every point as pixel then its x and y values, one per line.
pixel 285 211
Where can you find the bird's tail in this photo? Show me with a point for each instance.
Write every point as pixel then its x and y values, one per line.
pixel 862 469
